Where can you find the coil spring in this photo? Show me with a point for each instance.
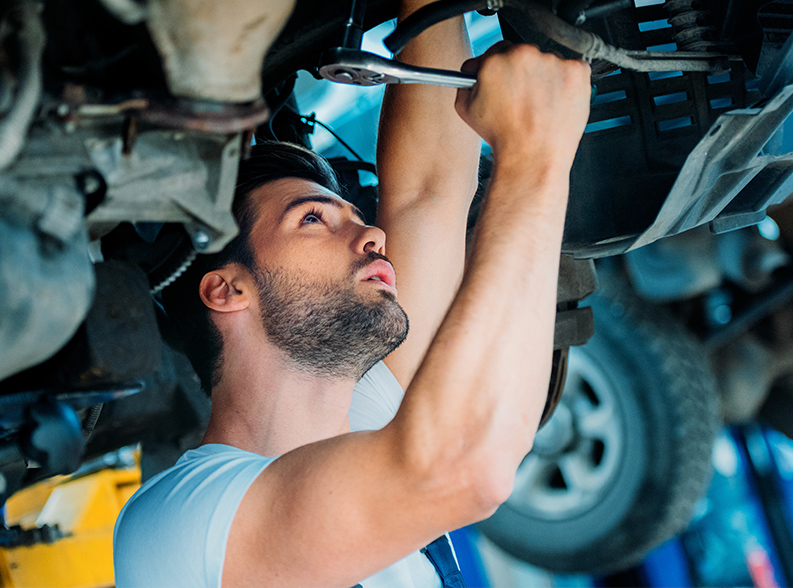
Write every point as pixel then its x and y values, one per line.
pixel 692 23
pixel 177 271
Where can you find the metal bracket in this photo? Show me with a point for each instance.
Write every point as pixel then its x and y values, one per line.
pixel 170 176
pixel 732 171
pixel 577 280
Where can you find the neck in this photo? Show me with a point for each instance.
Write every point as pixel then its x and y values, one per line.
pixel 264 405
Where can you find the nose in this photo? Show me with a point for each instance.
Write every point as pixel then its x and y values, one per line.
pixel 369 239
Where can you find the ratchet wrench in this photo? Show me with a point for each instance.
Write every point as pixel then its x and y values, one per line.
pixel 361 68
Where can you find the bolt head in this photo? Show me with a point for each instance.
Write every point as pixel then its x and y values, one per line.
pixel 343 76
pixel 201 239
pixel 92 184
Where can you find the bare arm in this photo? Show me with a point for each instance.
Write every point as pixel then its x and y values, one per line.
pixel 427 160
pixel 334 512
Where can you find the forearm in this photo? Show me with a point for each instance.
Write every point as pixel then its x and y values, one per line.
pixel 428 160
pixel 424 149
pixel 478 396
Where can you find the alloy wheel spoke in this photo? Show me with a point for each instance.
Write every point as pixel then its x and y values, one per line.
pixel 596 423
pixel 577 473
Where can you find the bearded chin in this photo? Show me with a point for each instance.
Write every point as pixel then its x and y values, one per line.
pixel 326 330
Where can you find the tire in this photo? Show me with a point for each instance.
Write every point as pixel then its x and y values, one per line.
pixel 627 454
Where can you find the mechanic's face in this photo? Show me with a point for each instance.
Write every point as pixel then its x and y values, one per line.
pixel 327 292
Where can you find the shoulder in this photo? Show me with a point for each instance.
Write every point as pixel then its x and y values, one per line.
pixel 183 516
pixel 375 399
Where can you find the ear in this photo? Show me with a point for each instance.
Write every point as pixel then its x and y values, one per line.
pixel 226 290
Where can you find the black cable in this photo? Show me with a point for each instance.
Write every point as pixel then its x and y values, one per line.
pixel 311 119
pixel 281 98
pixel 429 15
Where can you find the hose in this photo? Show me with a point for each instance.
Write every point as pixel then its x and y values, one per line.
pixel 14 128
pixel 592 47
pixel 431 14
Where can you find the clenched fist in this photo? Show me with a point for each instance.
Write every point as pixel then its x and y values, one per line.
pixel 527 103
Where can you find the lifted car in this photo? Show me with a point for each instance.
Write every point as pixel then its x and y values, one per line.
pixel 123 123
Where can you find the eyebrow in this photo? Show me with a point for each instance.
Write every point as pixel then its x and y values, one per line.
pixel 338 203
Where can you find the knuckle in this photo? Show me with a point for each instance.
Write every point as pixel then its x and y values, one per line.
pixel 576 72
pixel 487 69
pixel 582 68
pixel 527 52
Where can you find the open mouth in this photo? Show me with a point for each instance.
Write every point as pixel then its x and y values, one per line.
pixel 381 272
pixel 378 280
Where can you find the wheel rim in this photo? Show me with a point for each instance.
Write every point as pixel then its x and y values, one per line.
pixel 577 455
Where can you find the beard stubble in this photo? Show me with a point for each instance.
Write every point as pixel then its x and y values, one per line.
pixel 325 328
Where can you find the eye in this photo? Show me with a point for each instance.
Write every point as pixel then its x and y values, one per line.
pixel 312 217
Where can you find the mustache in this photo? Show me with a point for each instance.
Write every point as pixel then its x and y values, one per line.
pixel 371 256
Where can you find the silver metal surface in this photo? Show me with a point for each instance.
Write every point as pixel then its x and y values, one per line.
pixel 46 276
pixel 736 150
pixel 360 68
pixel 170 176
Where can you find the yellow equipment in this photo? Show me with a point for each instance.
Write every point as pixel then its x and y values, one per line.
pixel 85 510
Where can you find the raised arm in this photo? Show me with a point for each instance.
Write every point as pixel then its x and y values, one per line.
pixel 334 512
pixel 427 162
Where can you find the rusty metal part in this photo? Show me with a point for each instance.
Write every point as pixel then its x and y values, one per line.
pixel 112 109
pixel 215 50
pixel 207 117
pixel 197 115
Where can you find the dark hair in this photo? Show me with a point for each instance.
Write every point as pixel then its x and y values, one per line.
pixel 188 315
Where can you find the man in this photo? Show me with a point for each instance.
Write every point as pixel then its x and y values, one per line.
pixel 280 493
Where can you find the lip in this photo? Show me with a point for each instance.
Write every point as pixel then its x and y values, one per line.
pixel 382 270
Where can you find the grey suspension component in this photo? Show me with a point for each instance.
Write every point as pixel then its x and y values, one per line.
pixel 530 16
pixel 592 47
pixel 46 277
pixel 349 65
pixel 14 127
